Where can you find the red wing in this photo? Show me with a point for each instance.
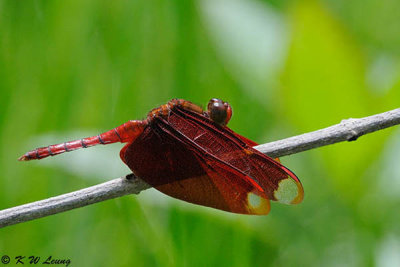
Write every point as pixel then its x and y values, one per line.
pixel 245 139
pixel 175 167
pixel 220 187
pixel 278 182
pixel 249 142
pixel 241 196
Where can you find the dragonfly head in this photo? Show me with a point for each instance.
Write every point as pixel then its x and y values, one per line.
pixel 219 111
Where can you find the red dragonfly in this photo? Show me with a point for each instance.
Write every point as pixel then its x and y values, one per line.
pixel 190 154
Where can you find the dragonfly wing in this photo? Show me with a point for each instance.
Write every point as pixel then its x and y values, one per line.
pixel 169 163
pixel 278 182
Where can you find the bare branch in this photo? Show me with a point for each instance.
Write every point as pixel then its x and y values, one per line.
pixel 347 130
pixel 115 188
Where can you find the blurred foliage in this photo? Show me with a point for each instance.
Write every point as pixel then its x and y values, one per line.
pixel 78 65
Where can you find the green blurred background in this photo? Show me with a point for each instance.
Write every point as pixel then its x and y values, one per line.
pixel 69 69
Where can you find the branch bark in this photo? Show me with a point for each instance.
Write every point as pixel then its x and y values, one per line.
pixel 347 130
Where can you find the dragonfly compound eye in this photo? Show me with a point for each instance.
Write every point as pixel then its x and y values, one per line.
pixel 219 111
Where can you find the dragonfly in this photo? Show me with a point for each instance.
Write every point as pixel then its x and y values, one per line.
pixel 190 154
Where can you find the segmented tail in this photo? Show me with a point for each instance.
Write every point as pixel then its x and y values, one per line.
pixel 126 132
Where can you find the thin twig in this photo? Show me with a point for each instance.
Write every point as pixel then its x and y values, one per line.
pixel 347 130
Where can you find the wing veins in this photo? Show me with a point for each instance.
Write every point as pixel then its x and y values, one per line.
pixel 198 149
pixel 234 138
